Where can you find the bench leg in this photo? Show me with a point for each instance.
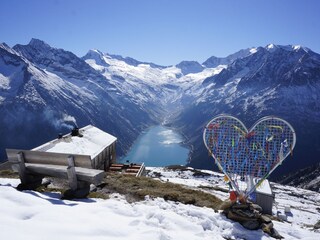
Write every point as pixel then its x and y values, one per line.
pixel 83 189
pixel 28 181
pixel 31 182
pixel 72 176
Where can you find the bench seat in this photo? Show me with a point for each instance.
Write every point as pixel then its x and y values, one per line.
pixel 83 174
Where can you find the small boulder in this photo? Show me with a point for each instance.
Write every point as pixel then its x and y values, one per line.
pixel 241 206
pixel 251 224
pixel 317 225
pixel 274 233
pixel 267 227
pixel 226 205
pixel 238 218
pixel 255 207
pixel 265 219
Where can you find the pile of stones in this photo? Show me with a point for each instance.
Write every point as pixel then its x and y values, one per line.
pixel 250 216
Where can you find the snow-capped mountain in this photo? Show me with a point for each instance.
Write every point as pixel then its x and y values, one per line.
pixel 190 67
pixel 213 61
pixel 41 86
pixel 157 87
pixel 275 80
pixel 141 82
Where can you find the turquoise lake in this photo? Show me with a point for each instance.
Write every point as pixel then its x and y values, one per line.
pixel 157 147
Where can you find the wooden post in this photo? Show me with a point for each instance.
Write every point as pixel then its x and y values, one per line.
pixel 22 168
pixel 114 153
pixel 72 177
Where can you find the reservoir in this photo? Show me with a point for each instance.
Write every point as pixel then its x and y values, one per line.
pixel 158 147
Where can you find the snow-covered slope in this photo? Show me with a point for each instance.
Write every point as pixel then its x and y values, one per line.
pixel 42 87
pixel 275 80
pixel 141 82
pixel 150 84
pixel 307 178
pixel 33 215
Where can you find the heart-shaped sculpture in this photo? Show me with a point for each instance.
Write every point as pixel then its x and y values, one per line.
pixel 248 157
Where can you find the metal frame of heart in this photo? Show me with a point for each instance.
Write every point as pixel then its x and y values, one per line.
pixel 247 158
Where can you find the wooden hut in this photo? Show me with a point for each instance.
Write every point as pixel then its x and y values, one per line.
pixel 89 140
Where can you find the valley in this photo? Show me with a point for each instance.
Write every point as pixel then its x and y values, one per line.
pixel 158 146
pixel 40 85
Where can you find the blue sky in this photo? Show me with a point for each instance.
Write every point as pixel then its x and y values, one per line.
pixel 164 31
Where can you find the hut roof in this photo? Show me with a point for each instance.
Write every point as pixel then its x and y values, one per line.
pixel 91 141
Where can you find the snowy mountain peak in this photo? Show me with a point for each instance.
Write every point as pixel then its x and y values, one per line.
pixel 190 67
pixel 213 61
pixel 296 47
pixel 299 48
pixel 36 43
pixel 93 53
pixel 273 47
pixel 132 61
pixel 96 56
pixel 253 50
pixel 5 47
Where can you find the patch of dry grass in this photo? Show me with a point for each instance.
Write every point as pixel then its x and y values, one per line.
pixel 43 189
pixel 136 189
pixel 8 174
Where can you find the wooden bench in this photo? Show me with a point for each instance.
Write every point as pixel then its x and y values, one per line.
pixel 32 166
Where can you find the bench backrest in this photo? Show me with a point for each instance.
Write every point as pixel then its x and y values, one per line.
pixel 49 158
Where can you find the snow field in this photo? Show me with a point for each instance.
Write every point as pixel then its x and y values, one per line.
pixel 32 215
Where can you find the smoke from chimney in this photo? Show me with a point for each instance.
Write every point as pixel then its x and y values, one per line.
pixel 60 121
pixel 67 118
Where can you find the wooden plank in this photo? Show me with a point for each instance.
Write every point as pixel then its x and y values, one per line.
pixel 83 174
pixel 116 165
pixel 71 172
pixel 49 158
pixel 132 170
pixel 135 167
pixel 115 168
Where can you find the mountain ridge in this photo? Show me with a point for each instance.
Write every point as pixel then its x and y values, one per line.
pixel 124 95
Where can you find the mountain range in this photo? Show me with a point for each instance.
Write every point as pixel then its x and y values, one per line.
pixel 43 90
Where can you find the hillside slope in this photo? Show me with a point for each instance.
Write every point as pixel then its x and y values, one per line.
pixel 44 90
pixel 307 178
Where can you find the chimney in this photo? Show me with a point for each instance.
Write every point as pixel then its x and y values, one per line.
pixel 75 132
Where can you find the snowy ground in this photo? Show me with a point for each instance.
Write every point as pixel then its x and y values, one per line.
pixel 304 205
pixel 32 215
